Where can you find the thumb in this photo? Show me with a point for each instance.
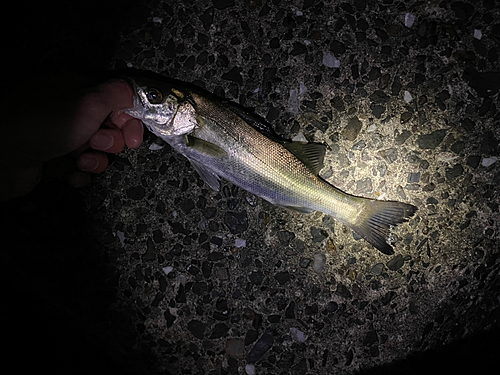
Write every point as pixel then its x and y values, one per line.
pixel 96 106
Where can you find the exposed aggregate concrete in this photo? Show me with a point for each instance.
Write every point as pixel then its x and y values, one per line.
pixel 223 282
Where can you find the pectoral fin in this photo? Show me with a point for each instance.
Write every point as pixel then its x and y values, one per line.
pixel 311 154
pixel 206 175
pixel 205 147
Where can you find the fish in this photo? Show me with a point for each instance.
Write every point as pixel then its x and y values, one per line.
pixel 224 140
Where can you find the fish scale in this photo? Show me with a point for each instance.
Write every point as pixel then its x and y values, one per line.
pixel 220 141
pixel 274 163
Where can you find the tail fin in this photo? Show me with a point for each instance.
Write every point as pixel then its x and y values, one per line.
pixel 374 221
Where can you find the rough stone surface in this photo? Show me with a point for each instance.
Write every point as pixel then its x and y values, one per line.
pixel 143 261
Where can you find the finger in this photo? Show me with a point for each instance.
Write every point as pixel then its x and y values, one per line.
pixel 119 118
pixel 92 161
pixel 77 152
pixel 109 140
pixel 64 168
pixel 95 107
pixel 132 133
pixel 116 95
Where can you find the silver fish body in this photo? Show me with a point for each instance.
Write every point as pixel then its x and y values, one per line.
pixel 218 140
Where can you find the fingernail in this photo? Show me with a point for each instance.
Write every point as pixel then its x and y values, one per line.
pixel 88 163
pixel 101 142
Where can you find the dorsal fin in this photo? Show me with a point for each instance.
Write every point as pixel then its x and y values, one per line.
pixel 252 119
pixel 311 154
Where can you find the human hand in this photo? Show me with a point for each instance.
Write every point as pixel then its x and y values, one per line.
pixel 82 125
pixel 100 126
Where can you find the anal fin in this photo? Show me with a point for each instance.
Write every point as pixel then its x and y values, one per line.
pixel 300 210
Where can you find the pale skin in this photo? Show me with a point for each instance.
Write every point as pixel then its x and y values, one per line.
pixel 68 138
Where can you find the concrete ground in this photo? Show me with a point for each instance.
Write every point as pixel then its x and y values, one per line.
pixel 149 271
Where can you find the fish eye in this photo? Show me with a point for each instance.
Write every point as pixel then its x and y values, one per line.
pixel 154 96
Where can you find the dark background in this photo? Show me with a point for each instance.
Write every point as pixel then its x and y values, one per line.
pixel 57 283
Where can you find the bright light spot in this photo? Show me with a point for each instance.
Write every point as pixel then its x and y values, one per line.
pixel 478 34
pixel 239 242
pixel 298 334
pixel 299 138
pixel 330 61
pixel 155 146
pixel 302 88
pixel 409 19
pixel 250 369
pixel 407 97
pixel 488 161
pixel 167 269
pixel 121 236
pixel 293 101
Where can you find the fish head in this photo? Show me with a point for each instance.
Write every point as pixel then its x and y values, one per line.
pixel 162 107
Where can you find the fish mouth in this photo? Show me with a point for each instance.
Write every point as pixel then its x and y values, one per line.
pixel 141 107
pixel 138 109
